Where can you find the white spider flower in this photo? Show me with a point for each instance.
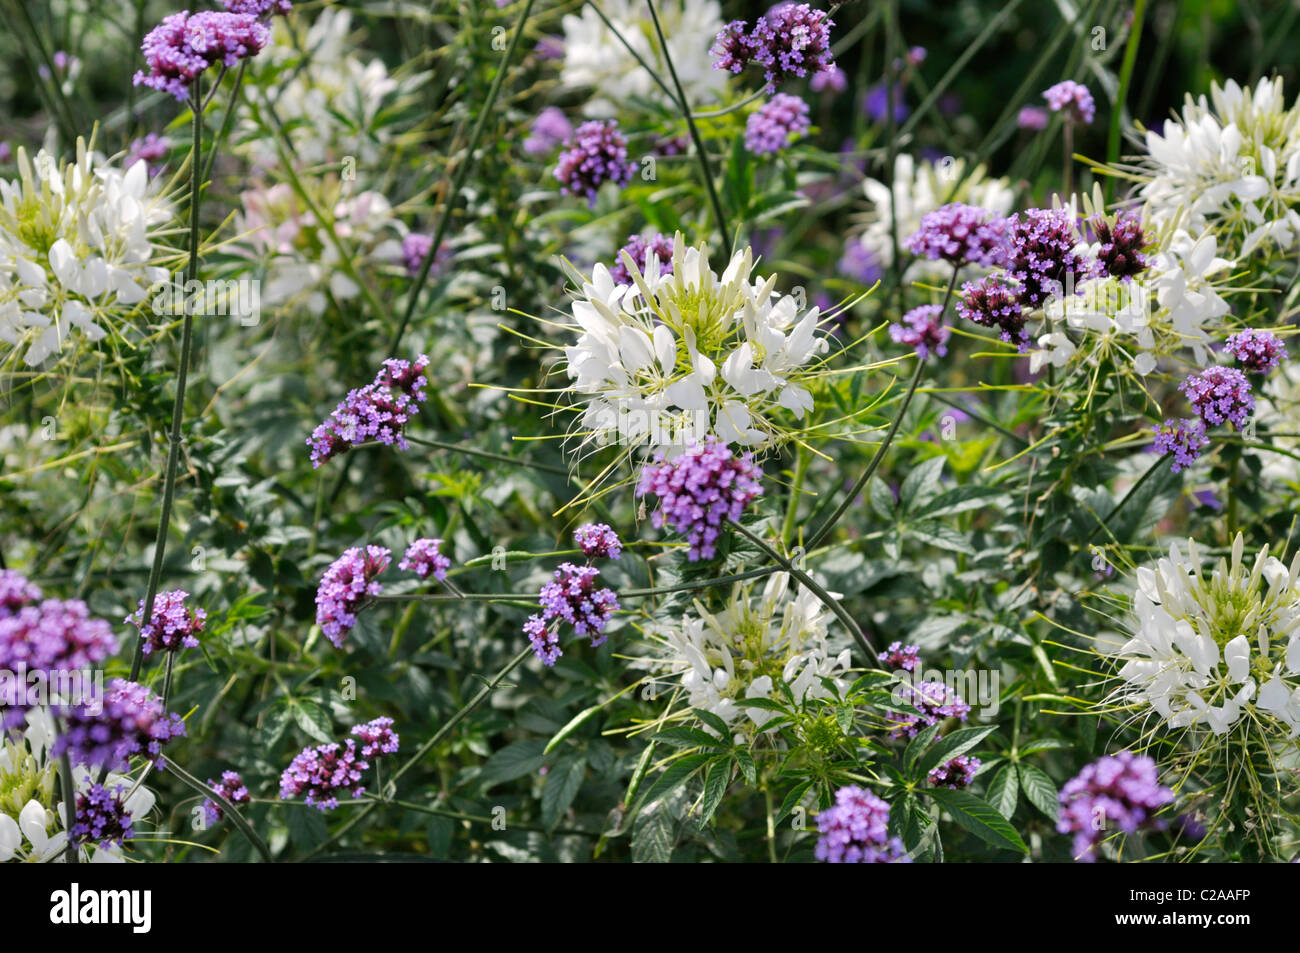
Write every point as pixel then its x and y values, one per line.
pixel 749 647
pixel 596 59
pixel 919 188
pixel 1232 163
pixel 1211 649
pixel 672 358
pixel 79 244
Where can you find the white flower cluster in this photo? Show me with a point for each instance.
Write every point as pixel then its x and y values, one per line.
pixel 1207 647
pixel 672 358
pixel 78 250
pixel 596 59
pixel 744 650
pixel 1230 162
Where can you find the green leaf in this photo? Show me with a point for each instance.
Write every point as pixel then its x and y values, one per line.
pixel 792 799
pixel 1039 789
pixel 922 483
pixel 714 722
pixel 747 768
pixel 675 775
pixel 1004 790
pixel 313 719
pixel 716 780
pixel 562 784
pixel 652 835
pixel 956 743
pixel 1045 744
pixel 686 737
pixel 920 743
pixel 980 818
pixel 513 761
pixel 941 536
pixel 960 499
pixel 439 831
pixel 881 499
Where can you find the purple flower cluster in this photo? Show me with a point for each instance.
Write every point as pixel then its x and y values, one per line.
pixel 174 625
pixel 152 149
pixel 672 146
pixel 1219 394
pixel 900 657
pixel 1257 351
pixel 598 540
pixel 960 235
pixel 422 558
pixel 379 411
pixel 415 249
pixel 875 103
pixel 347 583
pixel 699 490
pixel 922 329
pixel 570 597
pixel 956 774
pixel 1032 117
pixel 594 155
pixel 319 773
pixel 15 592
pixel 232 789
pixel 856 831
pixel 791 39
pixel 1185 439
pixel 1042 255
pixel 859 263
pixel 182 46
pixel 1123 245
pixel 640 249
pixel 993 302
pixel 833 79
pixel 933 701
pixel 1116 793
pixel 549 129
pixel 130 720
pixel 101 817
pixel 776 123
pixel 1074 98
pixel 264 9
pixel 377 737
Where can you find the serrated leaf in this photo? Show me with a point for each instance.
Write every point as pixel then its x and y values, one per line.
pixel 922 483
pixel 714 722
pixel 747 768
pixel 513 761
pixel 716 779
pixel 652 835
pixel 792 799
pixel 941 536
pixel 562 784
pixel 675 775
pixel 920 743
pixel 313 719
pixel 980 818
pixel 956 743
pixel 686 737
pixel 1039 790
pixel 1004 790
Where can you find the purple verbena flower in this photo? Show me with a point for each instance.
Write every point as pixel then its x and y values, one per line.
pixel 957 773
pixel 860 263
pixel 598 540
pixel 129 720
pixel 730 50
pixel 377 737
pixel 572 596
pixel 182 46
pixel 1115 793
pixel 263 9
pixel 993 302
pixel 934 701
pixel 231 788
pixel 1072 97
pixel 876 103
pixel 791 39
pixel 346 585
pixel 1042 255
pixel 832 79
pixel 101 817
pixel 544 639
pixel 775 124
pixel 379 411
pixel 1123 245
pixel 53 635
pixel 594 155
pixel 900 657
pixel 16 592
pixel 658 244
pixel 1218 394
pixel 922 330
pixel 174 625
pixel 415 249
pixel 1032 117
pixel 961 235
pixel 1257 351
pixel 1185 439
pixel 550 47
pixel 699 490
pixel 856 830
pixel 319 773
pixel 152 149
pixel 422 557
pixel 549 129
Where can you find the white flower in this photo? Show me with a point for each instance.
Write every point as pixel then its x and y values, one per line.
pixel 595 59
pixel 78 246
pixel 674 357
pixel 1181 272
pixel 1203 644
pixel 1232 163
pixel 918 189
pixel 745 649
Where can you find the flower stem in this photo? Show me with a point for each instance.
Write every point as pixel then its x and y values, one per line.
pixel 182 371
pixel 194 784
pixel 69 807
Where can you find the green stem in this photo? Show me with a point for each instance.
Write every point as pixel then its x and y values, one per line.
pixel 198 787
pixel 182 372
pixel 1121 94
pixel 227 120
pixel 802 458
pixel 70 854
pixel 705 168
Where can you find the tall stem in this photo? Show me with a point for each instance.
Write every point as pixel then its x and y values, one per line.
pixel 182 372
pixel 69 807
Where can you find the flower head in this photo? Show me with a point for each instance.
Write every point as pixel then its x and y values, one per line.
pixel 572 596
pixel 639 249
pixel 993 302
pixel 957 773
pixel 790 40
pixel 15 592
pixel 377 737
pixel 1219 394
pixel 856 830
pixel 1044 255
pixel 1117 792
pixel 318 775
pixel 1122 246
pixel 1185 439
pixel 699 491
pixel 1032 117
pixel 231 788
pixel 1074 98
pixel 54 635
pixel 346 585
pixel 422 558
pixel 379 411
pixel 922 329
pixel 102 817
pixel 130 720
pixel 960 235
pixel 598 541
pixel 1257 351
pixel 152 149
pixel 174 625
pixel 264 9
pixel 181 47
pixel 900 657
pixel 594 155
pixel 934 701
pixel 549 129
pixel 416 247
pixel 775 124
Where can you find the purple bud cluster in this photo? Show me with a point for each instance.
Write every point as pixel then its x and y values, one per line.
pixel 900 658
pixel 1122 246
pixel 957 773
pixel 347 583
pixel 594 155
pixel 15 592
pixel 1042 256
pixel 379 411
pixel 1257 351
pixel 775 124
pixel 790 40
pixel 1185 439
pixel 130 720
pixel 101 817
pixel 318 773
pixel 934 701
pixel 961 235
pixel 922 330
pixel 640 249
pixel 377 737
pixel 856 830
pixel 422 558
pixel 1116 793
pixel 993 302
pixel 598 541
pixel 572 597
pixel 1072 97
pixel 1218 394
pixel 699 490
pixel 182 46
pixel 549 129
pixel 231 788
pixel 174 625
